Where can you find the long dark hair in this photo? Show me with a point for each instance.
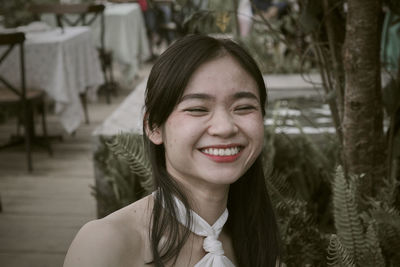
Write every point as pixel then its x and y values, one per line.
pixel 251 223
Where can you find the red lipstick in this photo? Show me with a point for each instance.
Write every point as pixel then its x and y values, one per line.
pixel 236 151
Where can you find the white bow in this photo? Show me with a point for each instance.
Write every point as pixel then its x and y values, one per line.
pixel 215 253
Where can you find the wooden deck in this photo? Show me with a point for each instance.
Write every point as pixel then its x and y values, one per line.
pixel 42 211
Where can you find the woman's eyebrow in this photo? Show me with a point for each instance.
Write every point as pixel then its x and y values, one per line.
pixel 196 96
pixel 245 94
pixel 236 96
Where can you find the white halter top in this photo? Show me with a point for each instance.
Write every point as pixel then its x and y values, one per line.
pixel 215 253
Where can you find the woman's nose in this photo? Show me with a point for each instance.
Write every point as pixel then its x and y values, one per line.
pixel 222 124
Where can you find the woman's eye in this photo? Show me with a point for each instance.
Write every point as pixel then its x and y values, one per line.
pixel 245 109
pixel 196 110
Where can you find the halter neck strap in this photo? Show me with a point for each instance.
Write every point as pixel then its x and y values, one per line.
pixel 215 253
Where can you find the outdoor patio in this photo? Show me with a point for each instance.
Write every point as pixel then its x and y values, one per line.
pixel 331 130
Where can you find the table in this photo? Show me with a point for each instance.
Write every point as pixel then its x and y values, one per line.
pixel 63 63
pixel 125 35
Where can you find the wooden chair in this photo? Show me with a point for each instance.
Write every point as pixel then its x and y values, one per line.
pixel 22 99
pixel 83 15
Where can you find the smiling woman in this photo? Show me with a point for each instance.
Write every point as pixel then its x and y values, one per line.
pixel 204 130
pixel 219 112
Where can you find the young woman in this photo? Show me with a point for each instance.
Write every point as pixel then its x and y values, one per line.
pixel 204 131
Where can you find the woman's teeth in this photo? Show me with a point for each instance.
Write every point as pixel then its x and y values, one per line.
pixel 221 151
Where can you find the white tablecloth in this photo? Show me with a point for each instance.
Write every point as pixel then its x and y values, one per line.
pixel 125 34
pixel 63 64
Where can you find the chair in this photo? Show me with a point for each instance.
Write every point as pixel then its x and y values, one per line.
pixel 83 15
pixel 22 99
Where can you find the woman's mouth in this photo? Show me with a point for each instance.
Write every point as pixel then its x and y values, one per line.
pixel 222 154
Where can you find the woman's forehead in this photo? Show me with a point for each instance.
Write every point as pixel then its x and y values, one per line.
pixel 221 75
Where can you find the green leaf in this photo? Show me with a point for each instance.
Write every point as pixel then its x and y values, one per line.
pixel 337 254
pixel 374 256
pixel 130 147
pixel 347 220
pixel 388 229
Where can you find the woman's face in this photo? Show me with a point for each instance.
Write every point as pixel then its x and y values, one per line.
pixel 215 132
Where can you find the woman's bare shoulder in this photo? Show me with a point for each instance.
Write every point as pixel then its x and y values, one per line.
pixel 138 212
pixel 115 240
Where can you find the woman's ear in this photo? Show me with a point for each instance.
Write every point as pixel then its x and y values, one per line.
pixel 155 134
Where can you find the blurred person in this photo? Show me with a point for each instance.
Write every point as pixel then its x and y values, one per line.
pixel 266 8
pixel 270 9
pixel 155 15
pixel 245 15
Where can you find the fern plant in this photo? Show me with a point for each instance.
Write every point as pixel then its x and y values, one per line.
pixel 131 148
pixel 369 236
pixel 292 191
pixel 338 256
pixel 126 170
pixel 347 220
pixel 387 223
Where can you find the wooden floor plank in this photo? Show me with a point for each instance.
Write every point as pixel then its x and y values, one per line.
pixel 31 259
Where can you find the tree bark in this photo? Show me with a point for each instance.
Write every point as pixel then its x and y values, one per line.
pixel 363 139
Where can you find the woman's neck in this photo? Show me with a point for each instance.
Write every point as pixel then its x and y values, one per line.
pixel 208 203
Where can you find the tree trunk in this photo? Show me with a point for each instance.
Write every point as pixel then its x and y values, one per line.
pixel 363 138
